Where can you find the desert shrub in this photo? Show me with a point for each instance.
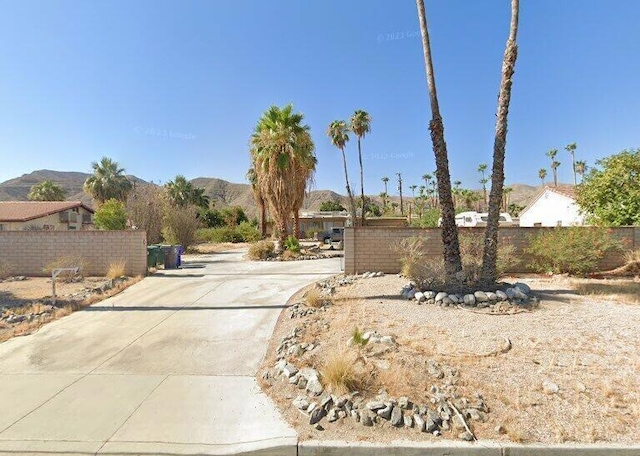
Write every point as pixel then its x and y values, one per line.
pixel 292 244
pixel 248 232
pixel 111 215
pixel 358 337
pixel 180 225
pixel 145 208
pixel 6 270
pixel 289 255
pixel 261 250
pixel 314 298
pixel 116 269
pixel 221 234
pixel 67 261
pixel 428 272
pixel 570 250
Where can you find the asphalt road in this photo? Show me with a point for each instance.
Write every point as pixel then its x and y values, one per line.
pixel 166 367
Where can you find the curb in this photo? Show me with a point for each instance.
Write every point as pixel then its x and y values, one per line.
pixel 453 448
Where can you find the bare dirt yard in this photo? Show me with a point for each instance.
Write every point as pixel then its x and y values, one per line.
pixel 25 302
pixel 570 374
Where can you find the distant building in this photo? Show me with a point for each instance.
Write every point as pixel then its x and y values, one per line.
pixel 553 206
pixel 45 215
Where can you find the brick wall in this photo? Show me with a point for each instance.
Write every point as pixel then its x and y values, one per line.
pixel 371 248
pixel 28 252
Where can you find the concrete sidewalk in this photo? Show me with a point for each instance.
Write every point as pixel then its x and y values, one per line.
pixel 166 367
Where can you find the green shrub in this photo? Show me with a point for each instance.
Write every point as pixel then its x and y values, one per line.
pixel 292 244
pixel 111 215
pixel 248 232
pixel 261 250
pixel 570 250
pixel 180 225
pixel 358 337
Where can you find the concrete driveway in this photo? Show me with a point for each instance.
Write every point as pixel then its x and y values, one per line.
pixel 166 367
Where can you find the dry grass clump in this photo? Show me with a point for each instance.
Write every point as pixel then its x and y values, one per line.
pixel 313 298
pixel 626 291
pixel 116 269
pixel 339 373
pixel 290 255
pixel 68 261
pixel 6 270
pixel 261 250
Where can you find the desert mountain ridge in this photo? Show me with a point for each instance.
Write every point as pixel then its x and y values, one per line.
pixel 221 192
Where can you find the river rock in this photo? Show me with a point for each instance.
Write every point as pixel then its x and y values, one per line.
pixel 502 296
pixel 481 296
pixel 523 287
pixel 440 296
pixel 469 300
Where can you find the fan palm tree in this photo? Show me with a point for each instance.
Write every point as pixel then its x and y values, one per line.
pixel 360 125
pixel 252 177
pixel 46 191
pixel 400 190
pixel 452 260
pixel 108 181
pixel 282 156
pixel 571 148
pixel 413 191
pixel 180 191
pixel 542 173
pixel 339 135
pixel 489 272
pixel 505 198
pixel 554 165
pixel 385 181
pixel 482 167
pixel 581 168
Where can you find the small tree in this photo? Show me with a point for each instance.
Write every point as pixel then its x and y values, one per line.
pixel 332 206
pixel 181 224
pixel 111 215
pixel 145 208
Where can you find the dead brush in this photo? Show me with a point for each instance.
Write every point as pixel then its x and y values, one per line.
pixel 68 261
pixel 6 270
pixel 314 298
pixel 116 269
pixel 339 373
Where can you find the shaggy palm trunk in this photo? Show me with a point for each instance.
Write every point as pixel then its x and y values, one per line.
pixel 361 180
pixel 263 219
pixel 282 233
pixel 352 202
pixel 452 261
pixel 573 162
pixel 489 273
pixel 296 225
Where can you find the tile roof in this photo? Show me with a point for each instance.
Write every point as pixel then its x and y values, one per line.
pixel 23 211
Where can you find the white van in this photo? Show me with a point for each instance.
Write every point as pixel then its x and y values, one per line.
pixel 479 219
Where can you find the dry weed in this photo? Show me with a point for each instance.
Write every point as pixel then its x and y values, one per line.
pixel 68 261
pixel 6 270
pixel 313 298
pixel 341 375
pixel 116 269
pixel 626 291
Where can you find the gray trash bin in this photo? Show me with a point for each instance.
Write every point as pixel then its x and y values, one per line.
pixel 170 256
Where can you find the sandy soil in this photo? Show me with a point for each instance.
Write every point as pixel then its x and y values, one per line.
pixel 588 345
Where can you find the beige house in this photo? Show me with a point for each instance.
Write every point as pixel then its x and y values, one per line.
pixel 45 215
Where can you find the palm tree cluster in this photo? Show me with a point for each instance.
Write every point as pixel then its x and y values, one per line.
pixel 579 167
pixel 338 132
pixel 283 162
pixel 108 181
pixel 182 193
pixel 46 191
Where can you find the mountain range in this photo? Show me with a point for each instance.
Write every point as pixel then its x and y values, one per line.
pixel 221 192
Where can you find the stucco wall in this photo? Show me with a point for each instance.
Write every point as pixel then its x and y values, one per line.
pixel 29 252
pixel 371 248
pixel 552 209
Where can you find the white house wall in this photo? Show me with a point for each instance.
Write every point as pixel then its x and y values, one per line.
pixel 552 209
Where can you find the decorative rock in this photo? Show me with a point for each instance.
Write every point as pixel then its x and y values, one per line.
pixel 440 296
pixel 502 296
pixel 510 292
pixel 419 422
pixel 466 436
pixel 411 293
pixel 446 301
pixel 314 386
pixel 481 296
pixel 523 287
pixel 386 340
pixel 429 294
pixel 469 300
pixel 302 382
pixel 366 419
pixel 301 402
pixel 458 423
pixel 379 274
pixel 385 412
pixel 332 415
pixel 317 415
pixel 404 402
pixel 327 402
pixel 375 405
pixel 419 296
pixel 550 387
pixel 454 298
pixel 491 296
pixel 312 407
pixel 408 421
pixel 396 417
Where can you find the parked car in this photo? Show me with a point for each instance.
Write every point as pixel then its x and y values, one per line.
pixel 332 235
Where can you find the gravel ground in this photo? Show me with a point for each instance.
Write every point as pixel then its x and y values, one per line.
pixel 586 345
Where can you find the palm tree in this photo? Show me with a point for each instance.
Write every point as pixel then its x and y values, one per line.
pixel 282 155
pixel 400 190
pixel 46 191
pixel 571 148
pixel 360 125
pixel 542 173
pixel 413 191
pixel 452 260
pixel 505 198
pixel 581 168
pixel 385 180
pixel 482 167
pixel 108 181
pixel 252 177
pixel 339 134
pixel 489 273
pixel 554 165
pixel 383 196
pixel 180 191
pixel 199 199
pixel 427 180
pixel 455 191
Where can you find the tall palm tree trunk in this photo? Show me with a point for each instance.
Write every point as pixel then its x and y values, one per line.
pixel 489 274
pixel 361 180
pixel 296 224
pixel 352 203
pixel 452 261
pixel 263 219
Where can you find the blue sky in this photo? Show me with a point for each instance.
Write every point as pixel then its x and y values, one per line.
pixel 168 87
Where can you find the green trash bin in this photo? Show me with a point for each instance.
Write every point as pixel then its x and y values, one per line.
pixel 159 254
pixel 153 252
